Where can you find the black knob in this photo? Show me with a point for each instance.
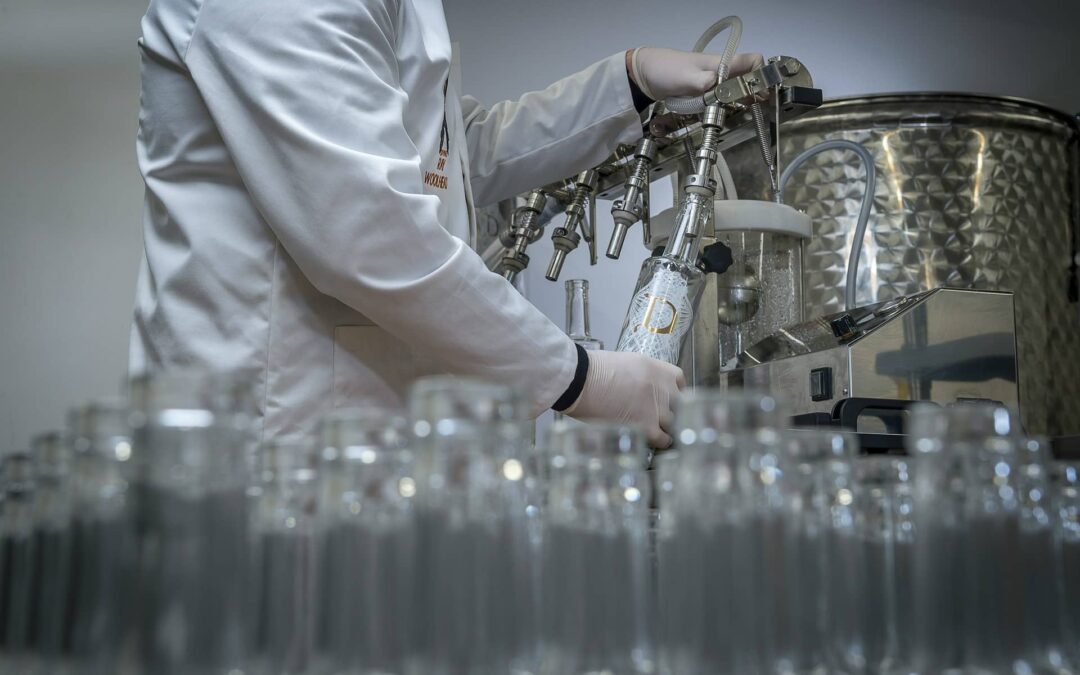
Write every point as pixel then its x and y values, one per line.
pixel 716 258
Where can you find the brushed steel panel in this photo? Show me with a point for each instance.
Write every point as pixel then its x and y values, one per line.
pixel 973 192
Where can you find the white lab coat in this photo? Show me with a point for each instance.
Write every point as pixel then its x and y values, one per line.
pixel 307 207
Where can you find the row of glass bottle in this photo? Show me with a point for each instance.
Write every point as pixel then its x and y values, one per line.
pixel 155 538
pixel 786 552
pixel 445 544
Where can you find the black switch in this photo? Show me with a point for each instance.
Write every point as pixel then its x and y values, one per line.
pixel 844 326
pixel 821 384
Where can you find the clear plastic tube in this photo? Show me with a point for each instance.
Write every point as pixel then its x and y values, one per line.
pixel 864 211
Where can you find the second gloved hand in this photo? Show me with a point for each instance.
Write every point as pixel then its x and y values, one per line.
pixel 632 389
pixel 663 73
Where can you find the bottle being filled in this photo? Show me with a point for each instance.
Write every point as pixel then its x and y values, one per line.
pixel 670 285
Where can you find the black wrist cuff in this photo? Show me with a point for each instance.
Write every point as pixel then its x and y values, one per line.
pixel 570 396
pixel 641 101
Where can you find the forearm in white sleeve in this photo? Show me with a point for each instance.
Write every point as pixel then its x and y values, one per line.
pixel 552 134
pixel 305 96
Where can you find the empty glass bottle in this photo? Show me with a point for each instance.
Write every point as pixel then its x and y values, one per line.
pixel 1067 502
pixel 1040 560
pixel 367 490
pixel 577 314
pixel 712 614
pixel 938 575
pixel 194 526
pixel 286 527
pixel 54 544
pixel 104 533
pixel 18 563
pixel 816 486
pixel 476 533
pixel 598 611
pixel 970 480
pixel 987 439
pixel 873 575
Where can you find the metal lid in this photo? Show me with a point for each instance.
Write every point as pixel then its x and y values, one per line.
pixel 939 109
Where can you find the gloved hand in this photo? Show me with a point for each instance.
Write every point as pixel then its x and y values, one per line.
pixel 663 73
pixel 632 389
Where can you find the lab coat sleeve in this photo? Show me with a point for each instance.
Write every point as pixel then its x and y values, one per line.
pixel 305 96
pixel 552 134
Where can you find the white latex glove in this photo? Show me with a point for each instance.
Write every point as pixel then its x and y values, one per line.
pixel 663 73
pixel 632 389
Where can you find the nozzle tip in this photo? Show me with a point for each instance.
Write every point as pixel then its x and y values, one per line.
pixel 618 236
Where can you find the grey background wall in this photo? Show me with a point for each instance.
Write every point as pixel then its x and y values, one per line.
pixel 70 195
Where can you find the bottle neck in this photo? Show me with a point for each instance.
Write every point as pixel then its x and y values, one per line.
pixel 577 309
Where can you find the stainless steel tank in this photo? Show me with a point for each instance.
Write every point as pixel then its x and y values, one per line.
pixel 973 192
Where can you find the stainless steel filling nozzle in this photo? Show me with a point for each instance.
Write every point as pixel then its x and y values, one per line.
pixel 525 231
pixel 635 202
pixel 566 238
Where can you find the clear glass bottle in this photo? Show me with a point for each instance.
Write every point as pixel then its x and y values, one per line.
pixel 662 310
pixel 1045 642
pixel 18 563
pixel 476 531
pixel 973 531
pixel 816 487
pixel 53 542
pixel 938 576
pixel 367 594
pixel 988 441
pixel 598 602
pixel 669 288
pixel 1066 491
pixel 285 577
pixel 875 576
pixel 577 315
pixel 712 613
pixel 192 444
pixel 104 527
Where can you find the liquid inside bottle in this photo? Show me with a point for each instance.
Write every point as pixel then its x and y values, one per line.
pixel 662 310
pixel 669 287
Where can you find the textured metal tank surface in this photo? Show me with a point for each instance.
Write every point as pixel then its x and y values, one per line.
pixel 973 192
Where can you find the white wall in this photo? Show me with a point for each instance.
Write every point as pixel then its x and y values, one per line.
pixel 70 199
pixel 70 194
pixel 69 238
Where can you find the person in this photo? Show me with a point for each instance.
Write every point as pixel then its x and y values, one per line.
pixel 311 171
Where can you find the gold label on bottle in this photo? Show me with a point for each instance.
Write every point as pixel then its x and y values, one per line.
pixel 661 315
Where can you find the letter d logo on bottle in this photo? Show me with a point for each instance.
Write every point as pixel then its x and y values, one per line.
pixel 660 316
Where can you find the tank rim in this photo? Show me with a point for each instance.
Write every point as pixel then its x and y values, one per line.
pixel 1072 121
